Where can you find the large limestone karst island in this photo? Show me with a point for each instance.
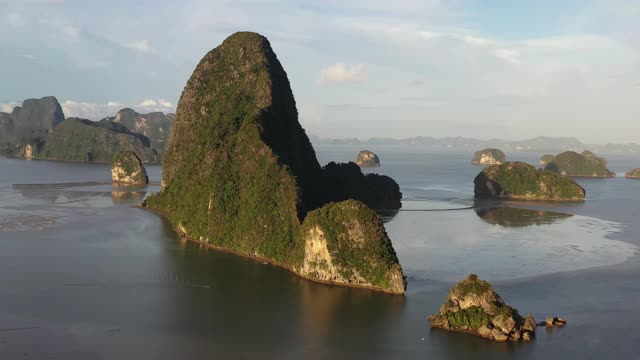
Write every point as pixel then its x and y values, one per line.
pixel 240 174
pixel 489 156
pixel 586 164
pixel 518 180
pixel 473 307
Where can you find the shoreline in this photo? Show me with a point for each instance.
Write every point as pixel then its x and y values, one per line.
pixel 258 258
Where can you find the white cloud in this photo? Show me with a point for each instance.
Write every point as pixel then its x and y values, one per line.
pixel 511 56
pixel 26 56
pixel 341 73
pixel 165 103
pixel 94 111
pixel 148 103
pixel 142 46
pixel 7 107
pixel 15 19
pixel 568 43
pixel 478 41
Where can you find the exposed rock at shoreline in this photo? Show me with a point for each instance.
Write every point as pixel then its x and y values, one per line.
pixel 473 307
pixel 633 174
pixel 489 156
pixel 518 180
pixel 586 164
pixel 367 158
pixel 127 168
pixel 240 173
pixel 546 159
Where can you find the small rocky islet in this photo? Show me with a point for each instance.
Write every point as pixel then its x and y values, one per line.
pixel 585 164
pixel 367 158
pixel 240 174
pixel 489 156
pixel 518 180
pixel 127 168
pixel 473 307
pixel 633 174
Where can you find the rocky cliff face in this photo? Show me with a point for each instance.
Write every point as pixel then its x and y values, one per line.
pixel 473 307
pixel 84 140
pixel 29 124
pixel 489 156
pixel 586 164
pixel 127 168
pixel 156 126
pixel 367 158
pixel 239 171
pixel 346 243
pixel 519 180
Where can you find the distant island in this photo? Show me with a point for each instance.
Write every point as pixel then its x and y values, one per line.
pixel 473 307
pixel 38 130
pixel 633 174
pixel 367 158
pixel 240 174
pixel 546 159
pixel 518 180
pixel 537 144
pixel 586 164
pixel 489 156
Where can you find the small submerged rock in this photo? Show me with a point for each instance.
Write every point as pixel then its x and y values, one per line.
pixel 473 307
pixel 551 322
pixel 127 168
pixel 367 158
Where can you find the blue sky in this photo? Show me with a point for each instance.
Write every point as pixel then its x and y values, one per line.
pixel 508 69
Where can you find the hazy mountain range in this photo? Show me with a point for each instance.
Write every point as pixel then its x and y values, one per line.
pixel 536 144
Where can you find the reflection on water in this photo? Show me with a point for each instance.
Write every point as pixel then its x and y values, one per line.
pixel 127 197
pixel 517 217
pixel 447 245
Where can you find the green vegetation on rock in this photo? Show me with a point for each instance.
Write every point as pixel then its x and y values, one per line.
pixel 519 180
pixel 240 172
pixel 156 126
pixel 472 306
pixel 127 167
pixel 633 174
pixel 586 164
pixel 546 159
pixel 84 140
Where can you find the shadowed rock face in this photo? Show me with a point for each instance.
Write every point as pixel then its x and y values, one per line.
pixel 127 168
pixel 473 307
pixel 367 158
pixel 240 172
pixel 517 180
pixel 633 174
pixel 586 164
pixel 489 156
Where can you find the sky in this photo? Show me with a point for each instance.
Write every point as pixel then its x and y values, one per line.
pixel 376 68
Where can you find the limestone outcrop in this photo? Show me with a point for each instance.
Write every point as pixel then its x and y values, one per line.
pixel 489 156
pixel 473 307
pixel 127 168
pixel 367 158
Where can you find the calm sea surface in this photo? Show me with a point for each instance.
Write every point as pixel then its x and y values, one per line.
pixel 86 275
